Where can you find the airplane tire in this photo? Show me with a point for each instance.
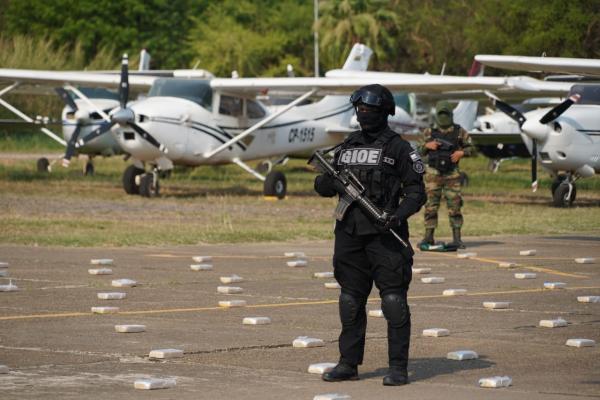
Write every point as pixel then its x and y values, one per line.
pixel 89 169
pixel 275 185
pixel 559 196
pixel 556 182
pixel 147 187
pixel 43 165
pixel 129 179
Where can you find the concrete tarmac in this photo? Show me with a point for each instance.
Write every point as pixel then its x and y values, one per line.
pixel 57 349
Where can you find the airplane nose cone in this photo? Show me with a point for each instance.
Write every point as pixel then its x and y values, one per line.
pixel 535 130
pixel 123 116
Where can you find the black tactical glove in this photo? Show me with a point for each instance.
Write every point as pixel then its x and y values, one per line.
pixel 385 224
pixel 327 186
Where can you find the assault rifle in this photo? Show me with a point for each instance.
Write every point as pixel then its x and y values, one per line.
pixel 354 191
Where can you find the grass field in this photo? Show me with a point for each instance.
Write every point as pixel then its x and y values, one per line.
pixel 225 204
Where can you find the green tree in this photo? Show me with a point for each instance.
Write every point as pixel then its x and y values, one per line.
pixel 160 26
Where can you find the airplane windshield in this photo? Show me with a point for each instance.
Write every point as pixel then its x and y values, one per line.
pixel 590 94
pixel 402 100
pixel 198 91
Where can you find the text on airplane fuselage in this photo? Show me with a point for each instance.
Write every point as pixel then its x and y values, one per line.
pixel 301 135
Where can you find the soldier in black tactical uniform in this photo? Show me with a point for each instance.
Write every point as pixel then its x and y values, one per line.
pixel 365 251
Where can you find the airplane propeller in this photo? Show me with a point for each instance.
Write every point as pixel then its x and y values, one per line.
pixel 124 115
pixel 533 130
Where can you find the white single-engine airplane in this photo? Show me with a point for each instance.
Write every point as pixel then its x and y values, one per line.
pixel 565 138
pixel 191 121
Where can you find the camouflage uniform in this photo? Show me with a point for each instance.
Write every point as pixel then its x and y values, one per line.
pixel 447 184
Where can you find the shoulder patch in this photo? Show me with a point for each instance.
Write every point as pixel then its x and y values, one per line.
pixel 415 156
pixel 418 167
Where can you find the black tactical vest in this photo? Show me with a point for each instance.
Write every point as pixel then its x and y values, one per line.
pixel 440 158
pixel 375 168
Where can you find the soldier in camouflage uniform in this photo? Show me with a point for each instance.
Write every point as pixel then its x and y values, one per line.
pixel 443 145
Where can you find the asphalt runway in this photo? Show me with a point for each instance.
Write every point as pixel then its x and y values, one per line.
pixel 57 349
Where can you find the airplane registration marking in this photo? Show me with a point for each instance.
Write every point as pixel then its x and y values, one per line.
pixel 277 305
pixel 526 266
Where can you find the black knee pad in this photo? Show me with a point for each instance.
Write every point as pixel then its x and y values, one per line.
pixel 349 308
pixel 395 309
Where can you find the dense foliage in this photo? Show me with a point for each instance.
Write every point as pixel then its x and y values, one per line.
pixel 260 37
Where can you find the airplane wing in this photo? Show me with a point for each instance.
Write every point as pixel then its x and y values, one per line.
pixel 76 78
pixel 581 66
pixel 345 85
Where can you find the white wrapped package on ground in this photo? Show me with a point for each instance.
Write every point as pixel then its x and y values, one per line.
pixel 433 279
pixel 154 383
pixel 580 343
pixel 305 341
pixel 297 263
pixel 4 369
pixel 3 264
pixel 376 313
pixel 294 254
pixel 256 321
pixel 202 259
pixel 588 299
pixel 496 305
pixel 3 272
pixel 436 332
pixel 201 267
pixel 231 279
pixel 332 396
pixel 232 303
pixel 100 271
pixel 124 283
pixel 461 355
pixel 525 275
pixel 527 253
pixel 454 292
pixel 9 288
pixel 323 274
pixel 112 296
pixel 165 353
pixel 554 285
pixel 466 255
pixel 507 265
pixel 421 271
pixel 332 285
pixel 553 323
pixel 229 289
pixel 130 328
pixel 320 368
pixel 495 382
pixel 101 261
pixel 585 260
pixel 105 310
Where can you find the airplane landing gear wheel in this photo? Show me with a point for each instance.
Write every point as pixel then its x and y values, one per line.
pixel 129 179
pixel 43 165
pixel 561 197
pixel 88 170
pixel 149 186
pixel 556 182
pixel 275 185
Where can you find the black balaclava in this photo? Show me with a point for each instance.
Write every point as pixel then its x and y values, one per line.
pixel 380 104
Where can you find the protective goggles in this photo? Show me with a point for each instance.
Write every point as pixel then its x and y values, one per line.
pixel 367 98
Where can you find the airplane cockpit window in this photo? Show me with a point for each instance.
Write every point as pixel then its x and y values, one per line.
pixel 254 110
pixel 231 106
pixel 402 100
pixel 198 91
pixel 590 94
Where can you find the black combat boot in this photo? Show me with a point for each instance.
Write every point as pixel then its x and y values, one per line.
pixel 341 372
pixel 396 377
pixel 456 239
pixel 428 238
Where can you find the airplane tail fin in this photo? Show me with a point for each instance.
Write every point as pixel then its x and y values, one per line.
pixel 358 59
pixel 465 112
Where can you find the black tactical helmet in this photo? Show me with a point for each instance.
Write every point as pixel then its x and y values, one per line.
pixel 376 96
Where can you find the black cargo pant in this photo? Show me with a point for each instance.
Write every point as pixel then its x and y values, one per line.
pixel 358 261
